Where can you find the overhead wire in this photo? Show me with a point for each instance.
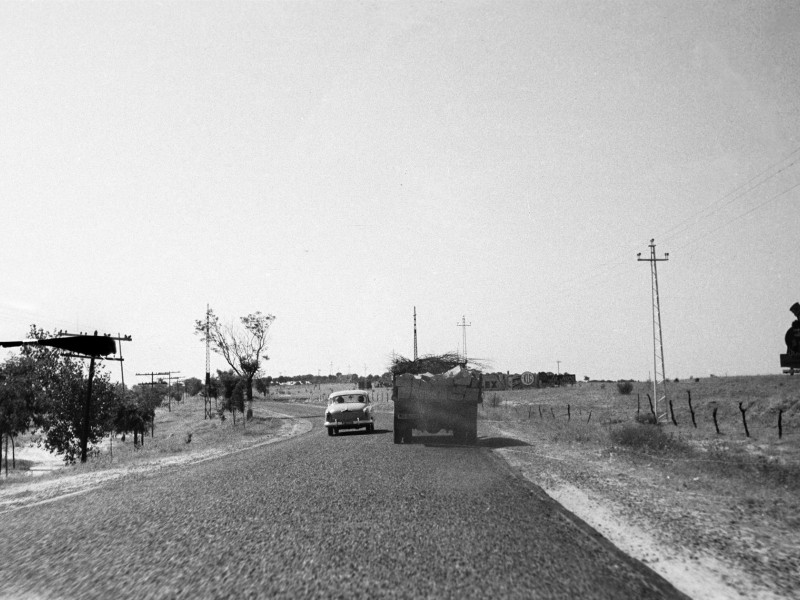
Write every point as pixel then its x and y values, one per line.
pixel 734 195
pixel 735 218
pixel 601 271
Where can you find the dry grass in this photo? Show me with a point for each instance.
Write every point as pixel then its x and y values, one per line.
pixel 180 431
pixel 726 495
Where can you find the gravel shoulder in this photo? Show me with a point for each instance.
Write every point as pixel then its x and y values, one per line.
pixel 708 544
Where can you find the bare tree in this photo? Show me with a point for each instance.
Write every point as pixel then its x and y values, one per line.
pixel 242 344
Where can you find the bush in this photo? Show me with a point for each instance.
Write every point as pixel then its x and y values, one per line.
pixel 646 438
pixel 625 387
pixel 646 418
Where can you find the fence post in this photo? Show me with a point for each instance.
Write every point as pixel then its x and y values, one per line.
pixel 637 404
pixel 540 412
pixel 672 413
pixel 652 410
pixel 552 413
pixel 590 417
pixel 780 423
pixel 691 410
pixel 714 414
pixel 569 413
pixel 744 420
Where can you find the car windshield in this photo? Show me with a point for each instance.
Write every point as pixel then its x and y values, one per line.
pixel 350 398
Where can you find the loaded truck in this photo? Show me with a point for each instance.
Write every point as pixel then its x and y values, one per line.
pixel 432 403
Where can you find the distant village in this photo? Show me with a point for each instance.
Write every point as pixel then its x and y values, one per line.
pixel 491 381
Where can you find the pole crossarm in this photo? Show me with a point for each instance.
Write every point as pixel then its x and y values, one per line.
pixel 78 343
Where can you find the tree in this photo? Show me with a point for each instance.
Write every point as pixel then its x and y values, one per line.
pixel 133 415
pixel 65 419
pixel 193 386
pixel 18 402
pixel 230 382
pixel 262 385
pixel 242 346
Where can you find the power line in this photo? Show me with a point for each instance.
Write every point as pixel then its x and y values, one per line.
pixel 602 270
pixel 725 225
pixel 734 195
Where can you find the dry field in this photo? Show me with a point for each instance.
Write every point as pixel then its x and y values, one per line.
pixel 725 502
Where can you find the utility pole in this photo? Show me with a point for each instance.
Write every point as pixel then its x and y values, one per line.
pixel 152 375
pixel 415 333
pixel 464 326
pixel 170 376
pixel 92 355
pixel 659 378
pixel 81 345
pixel 206 397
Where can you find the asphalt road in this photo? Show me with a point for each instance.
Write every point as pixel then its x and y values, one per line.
pixel 351 516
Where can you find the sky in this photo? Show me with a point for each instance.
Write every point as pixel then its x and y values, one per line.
pixel 340 164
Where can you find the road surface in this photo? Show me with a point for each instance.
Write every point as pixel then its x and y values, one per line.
pixel 350 516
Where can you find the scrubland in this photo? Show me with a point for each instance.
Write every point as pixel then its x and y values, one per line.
pixel 720 498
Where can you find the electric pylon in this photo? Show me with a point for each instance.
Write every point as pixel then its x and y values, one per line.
pixel 206 398
pixel 660 377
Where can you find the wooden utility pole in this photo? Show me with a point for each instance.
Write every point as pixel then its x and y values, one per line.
pixel 94 350
pixel 170 376
pixel 415 333
pixel 464 326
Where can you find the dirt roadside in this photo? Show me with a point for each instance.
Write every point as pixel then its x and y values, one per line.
pixel 706 544
pixel 39 490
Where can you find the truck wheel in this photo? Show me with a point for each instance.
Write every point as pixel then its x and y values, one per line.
pixel 330 430
pixel 407 434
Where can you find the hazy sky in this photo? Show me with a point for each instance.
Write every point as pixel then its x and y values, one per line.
pixel 338 163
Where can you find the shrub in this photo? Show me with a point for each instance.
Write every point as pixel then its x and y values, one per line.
pixel 646 418
pixel 646 438
pixel 625 387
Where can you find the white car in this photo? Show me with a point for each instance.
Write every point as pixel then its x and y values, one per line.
pixel 349 409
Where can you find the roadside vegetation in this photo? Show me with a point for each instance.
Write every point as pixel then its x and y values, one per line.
pixel 731 495
pixel 608 417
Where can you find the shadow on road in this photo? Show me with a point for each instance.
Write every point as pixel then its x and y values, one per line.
pixel 500 442
pixel 447 440
pixel 345 433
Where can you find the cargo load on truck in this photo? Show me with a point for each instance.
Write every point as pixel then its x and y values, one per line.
pixel 430 401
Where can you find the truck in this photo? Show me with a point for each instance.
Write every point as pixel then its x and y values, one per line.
pixel 432 403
